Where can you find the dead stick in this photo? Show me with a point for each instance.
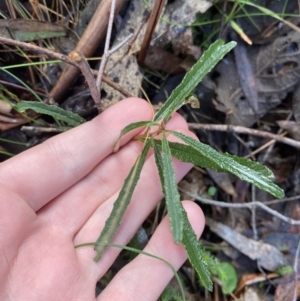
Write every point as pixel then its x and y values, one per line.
pixel 243 130
pixel 87 45
pixel 39 50
pixel 153 19
pixel 61 57
pixel 89 76
pixel 114 85
pixel 106 46
pixel 244 205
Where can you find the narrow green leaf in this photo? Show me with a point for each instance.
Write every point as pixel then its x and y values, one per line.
pixel 171 192
pixel 204 65
pixel 136 125
pixel 56 112
pixel 131 127
pixel 121 203
pixel 259 168
pixel 159 162
pixel 189 238
pixel 194 252
pixel 268 12
pixel 22 83
pixel 186 153
pixel 170 293
pixel 246 171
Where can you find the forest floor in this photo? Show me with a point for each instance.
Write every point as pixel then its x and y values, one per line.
pixel 250 107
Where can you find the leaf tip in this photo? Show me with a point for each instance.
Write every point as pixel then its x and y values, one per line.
pixel 279 193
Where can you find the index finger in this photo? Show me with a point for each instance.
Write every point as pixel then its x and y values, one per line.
pixel 45 171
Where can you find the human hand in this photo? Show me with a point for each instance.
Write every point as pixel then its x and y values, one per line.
pixel 60 193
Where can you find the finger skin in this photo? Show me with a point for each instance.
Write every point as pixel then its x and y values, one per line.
pixel 15 221
pixel 63 160
pixel 40 262
pixel 70 211
pixel 145 278
pixel 147 194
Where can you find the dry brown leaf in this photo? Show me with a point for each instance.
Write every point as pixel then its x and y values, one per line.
pixel 248 279
pixel 162 60
pixel 285 291
pixel 277 74
pixel 28 30
pixel 266 255
pixel 292 127
pixel 126 71
pixel 181 12
pixel 222 179
pixel 193 183
pixel 122 67
pixel 87 44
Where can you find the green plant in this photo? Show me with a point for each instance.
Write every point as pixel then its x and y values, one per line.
pixel 59 114
pixel 285 270
pixel 230 279
pixel 192 151
pixel 169 294
pixel 136 251
pixel 56 112
pixel 236 9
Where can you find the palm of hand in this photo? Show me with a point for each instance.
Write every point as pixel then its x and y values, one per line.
pixel 60 193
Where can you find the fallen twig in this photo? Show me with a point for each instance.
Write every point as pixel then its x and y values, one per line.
pixel 20 87
pixel 64 58
pixel 114 85
pixel 270 148
pixel 246 205
pixel 253 213
pixel 153 19
pixel 105 55
pixel 40 129
pixel 37 49
pixel 243 130
pixel 89 76
pixel 276 201
pixel 266 255
pixel 87 44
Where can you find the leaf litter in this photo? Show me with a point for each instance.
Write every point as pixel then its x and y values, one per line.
pixel 275 98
